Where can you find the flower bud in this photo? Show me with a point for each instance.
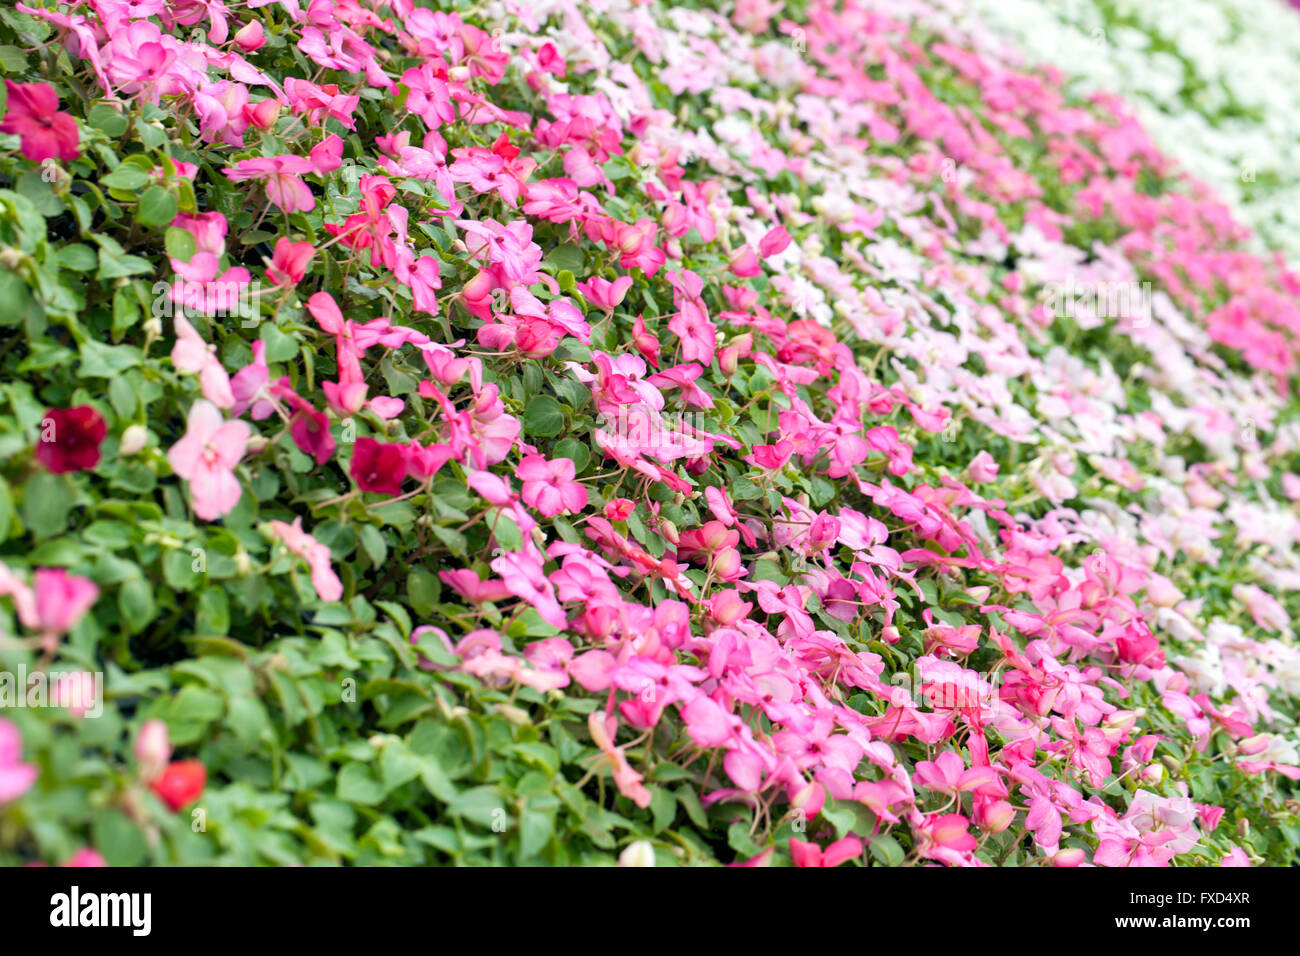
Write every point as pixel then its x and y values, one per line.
pixel 640 853
pixel 996 816
pixel 152 748
pixel 1073 856
pixel 250 36
pixel 134 438
pixel 1253 745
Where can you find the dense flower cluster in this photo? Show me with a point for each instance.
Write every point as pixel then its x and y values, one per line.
pixel 1209 79
pixel 824 428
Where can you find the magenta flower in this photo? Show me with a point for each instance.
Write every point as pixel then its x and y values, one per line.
pixel 379 467
pixel 33 116
pixel 206 457
pixel 549 486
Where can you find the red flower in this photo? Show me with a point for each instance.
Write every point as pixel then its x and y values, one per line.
pixel 70 439
pixel 378 467
pixel 181 783
pixel 33 115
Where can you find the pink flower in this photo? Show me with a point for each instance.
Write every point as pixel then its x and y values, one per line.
pixel 192 354
pixel 619 509
pixel 317 556
pixel 945 837
pixel 249 385
pixel 810 854
pixel 645 342
pixel 775 242
pixel 249 37
pixel 61 599
pixel 206 457
pixel 15 777
pixel 982 468
pixel 327 155
pixel 626 779
pixel 289 263
pixel 549 486
pixel 771 457
pixel 283 185
pixel 605 295
pixel 85 857
pixel 33 115
pixel 823 533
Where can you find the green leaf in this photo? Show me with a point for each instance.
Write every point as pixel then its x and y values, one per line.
pixel 356 784
pixel 568 257
pixel 543 417
pixel 574 450
pixel 47 499
pixel 248 719
pixel 195 705
pixel 137 604
pixel 372 542
pixel 78 257
pixel 15 296
pixel 535 829
pixel 114 263
pixel 107 361
pixel 128 177
pixel 12 59
pixel 118 839
pixel 108 119
pixel 157 207
pixel 887 850
pixel 180 243
pixel 481 805
pixel 424 590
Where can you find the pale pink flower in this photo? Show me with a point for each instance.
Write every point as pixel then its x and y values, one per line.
pixel 192 354
pixel 153 748
pixel 206 457
pixel 317 556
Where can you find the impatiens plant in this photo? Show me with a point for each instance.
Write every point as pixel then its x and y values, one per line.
pixel 591 433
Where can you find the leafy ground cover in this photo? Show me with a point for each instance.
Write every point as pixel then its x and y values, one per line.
pixel 578 432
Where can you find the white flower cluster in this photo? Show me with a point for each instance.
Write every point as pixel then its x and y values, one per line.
pixel 1215 82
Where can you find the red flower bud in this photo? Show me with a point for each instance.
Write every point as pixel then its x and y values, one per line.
pixel 181 783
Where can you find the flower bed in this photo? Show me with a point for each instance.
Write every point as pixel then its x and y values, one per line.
pixel 621 431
